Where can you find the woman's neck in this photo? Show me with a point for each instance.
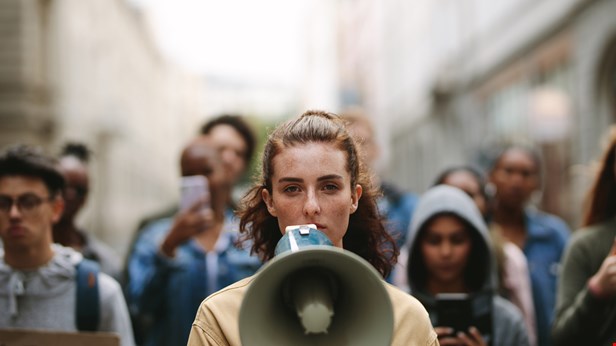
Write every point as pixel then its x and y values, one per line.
pixel 508 216
pixel 435 287
pixel 512 224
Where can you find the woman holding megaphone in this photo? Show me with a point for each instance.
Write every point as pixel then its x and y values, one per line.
pixel 312 174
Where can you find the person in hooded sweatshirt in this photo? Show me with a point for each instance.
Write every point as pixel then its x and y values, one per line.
pixel 449 252
pixel 37 278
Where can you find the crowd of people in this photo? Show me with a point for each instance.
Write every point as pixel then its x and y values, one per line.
pixel 472 241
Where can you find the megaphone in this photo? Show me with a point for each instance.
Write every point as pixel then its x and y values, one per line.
pixel 312 293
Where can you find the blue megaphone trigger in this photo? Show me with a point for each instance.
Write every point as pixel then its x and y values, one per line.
pixel 299 236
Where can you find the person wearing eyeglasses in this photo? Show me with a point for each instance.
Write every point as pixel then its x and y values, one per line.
pixel 73 164
pixel 37 278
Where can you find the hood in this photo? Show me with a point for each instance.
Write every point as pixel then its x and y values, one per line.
pixel 444 199
pixel 51 279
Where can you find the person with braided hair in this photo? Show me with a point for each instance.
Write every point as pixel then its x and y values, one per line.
pixel 73 164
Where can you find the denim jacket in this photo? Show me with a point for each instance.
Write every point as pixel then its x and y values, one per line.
pixel 546 239
pixel 397 208
pixel 165 293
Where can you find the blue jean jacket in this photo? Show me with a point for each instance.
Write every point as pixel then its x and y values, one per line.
pixel 397 208
pixel 166 292
pixel 547 236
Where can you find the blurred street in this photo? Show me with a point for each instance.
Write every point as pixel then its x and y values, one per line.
pixel 443 81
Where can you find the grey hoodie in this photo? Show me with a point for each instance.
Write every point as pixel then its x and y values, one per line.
pixel 508 326
pixel 45 298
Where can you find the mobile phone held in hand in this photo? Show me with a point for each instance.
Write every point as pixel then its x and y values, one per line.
pixel 460 311
pixel 454 311
pixel 193 189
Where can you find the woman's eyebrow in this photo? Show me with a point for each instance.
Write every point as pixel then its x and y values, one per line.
pixel 300 180
pixel 330 177
pixel 290 180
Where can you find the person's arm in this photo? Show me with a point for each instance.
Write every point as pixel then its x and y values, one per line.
pixel 113 310
pixel 579 311
pixel 149 270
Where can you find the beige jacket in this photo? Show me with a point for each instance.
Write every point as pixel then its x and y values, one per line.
pixel 216 322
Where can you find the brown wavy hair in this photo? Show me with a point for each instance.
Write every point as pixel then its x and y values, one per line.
pixel 601 199
pixel 366 235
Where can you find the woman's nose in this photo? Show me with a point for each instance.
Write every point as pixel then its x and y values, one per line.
pixel 311 205
pixel 446 249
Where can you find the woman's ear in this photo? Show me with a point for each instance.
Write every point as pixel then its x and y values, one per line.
pixel 355 196
pixel 267 198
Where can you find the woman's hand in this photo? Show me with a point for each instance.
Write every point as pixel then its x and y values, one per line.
pixel 472 338
pixel 603 284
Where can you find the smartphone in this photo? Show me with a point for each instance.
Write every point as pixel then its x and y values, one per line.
pixel 194 188
pixel 460 311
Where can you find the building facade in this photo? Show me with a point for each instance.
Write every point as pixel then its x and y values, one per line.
pixel 448 79
pixel 89 71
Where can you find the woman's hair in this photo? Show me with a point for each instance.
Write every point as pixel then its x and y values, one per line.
pixel 366 235
pixel 476 173
pixel 503 148
pixel 77 150
pixel 601 200
pixel 240 125
pixel 476 270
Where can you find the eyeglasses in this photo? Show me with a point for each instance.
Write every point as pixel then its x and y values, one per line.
pixel 26 203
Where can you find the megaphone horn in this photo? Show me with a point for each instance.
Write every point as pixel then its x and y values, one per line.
pixel 315 295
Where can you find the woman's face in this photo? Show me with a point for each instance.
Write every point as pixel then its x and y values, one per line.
pixel 445 246
pixel 77 184
pixel 515 177
pixel 467 182
pixel 311 184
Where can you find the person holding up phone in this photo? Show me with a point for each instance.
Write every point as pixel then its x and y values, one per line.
pixel 180 260
pixel 451 270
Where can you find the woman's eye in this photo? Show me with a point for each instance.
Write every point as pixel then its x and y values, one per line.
pixel 433 240
pixel 330 187
pixel 291 189
pixel 457 240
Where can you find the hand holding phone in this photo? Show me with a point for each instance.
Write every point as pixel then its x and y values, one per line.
pixel 195 214
pixel 460 313
pixel 194 189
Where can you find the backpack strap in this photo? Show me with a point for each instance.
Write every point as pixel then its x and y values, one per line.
pixel 87 312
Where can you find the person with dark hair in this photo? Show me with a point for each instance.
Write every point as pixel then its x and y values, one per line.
pixel 73 164
pixel 586 299
pixel 513 275
pixel 449 252
pixel 178 261
pixel 312 174
pixel 470 180
pixel 395 204
pixel 235 140
pixel 515 175
pixel 38 279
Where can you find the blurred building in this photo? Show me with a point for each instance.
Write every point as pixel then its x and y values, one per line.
pixel 89 71
pixel 447 79
pixel 255 99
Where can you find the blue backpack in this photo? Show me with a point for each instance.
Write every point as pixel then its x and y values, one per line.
pixel 87 312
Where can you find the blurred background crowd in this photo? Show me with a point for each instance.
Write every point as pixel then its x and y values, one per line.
pixel 442 84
